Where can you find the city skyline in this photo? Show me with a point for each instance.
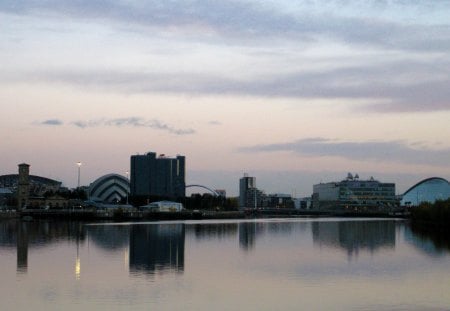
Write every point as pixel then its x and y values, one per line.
pixel 293 94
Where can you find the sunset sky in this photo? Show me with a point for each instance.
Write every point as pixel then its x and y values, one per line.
pixel 291 92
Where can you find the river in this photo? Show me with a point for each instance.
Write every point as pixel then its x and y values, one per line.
pixel 258 264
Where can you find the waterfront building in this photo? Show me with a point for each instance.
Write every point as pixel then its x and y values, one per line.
pixel 302 203
pixel 110 188
pixel 38 185
pixel 23 187
pixel 280 200
pixel 353 194
pixel 50 202
pixel 428 190
pixel 5 196
pixel 157 176
pixel 164 206
pixel 249 195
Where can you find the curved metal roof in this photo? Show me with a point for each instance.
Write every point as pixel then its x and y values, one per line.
pixel 109 187
pixel 425 181
pixel 33 178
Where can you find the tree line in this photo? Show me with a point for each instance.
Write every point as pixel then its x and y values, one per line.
pixel 437 213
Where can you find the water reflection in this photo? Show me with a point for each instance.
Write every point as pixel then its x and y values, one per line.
pixel 36 234
pixel 249 232
pixel 152 248
pixel 247 235
pixel 355 236
pixel 432 242
pixel 109 238
pixel 22 247
pixel 157 248
pixel 213 230
pixel 263 264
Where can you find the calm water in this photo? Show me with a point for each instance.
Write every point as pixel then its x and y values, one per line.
pixel 276 264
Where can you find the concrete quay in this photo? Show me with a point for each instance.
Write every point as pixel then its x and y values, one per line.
pixel 135 215
pixel 124 215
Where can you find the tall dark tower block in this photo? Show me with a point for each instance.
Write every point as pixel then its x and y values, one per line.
pixel 245 184
pixel 23 189
pixel 153 175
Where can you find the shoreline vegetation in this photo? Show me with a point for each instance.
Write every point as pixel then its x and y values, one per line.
pixel 431 222
pixel 433 216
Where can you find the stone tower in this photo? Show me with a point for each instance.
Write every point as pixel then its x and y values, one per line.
pixel 23 189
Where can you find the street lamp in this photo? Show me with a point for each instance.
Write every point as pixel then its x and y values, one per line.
pixel 127 173
pixel 79 170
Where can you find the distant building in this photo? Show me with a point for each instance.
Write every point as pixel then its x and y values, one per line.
pixel 29 190
pixel 304 203
pixel 248 193
pixel 50 202
pixel 110 188
pixel 427 190
pixel 23 187
pixel 280 200
pixel 164 206
pixel 5 196
pixel 354 194
pixel 38 185
pixel 157 176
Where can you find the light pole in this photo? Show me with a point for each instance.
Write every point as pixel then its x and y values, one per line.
pixel 79 170
pixel 127 173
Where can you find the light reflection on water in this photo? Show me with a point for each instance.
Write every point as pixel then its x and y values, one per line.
pixel 269 264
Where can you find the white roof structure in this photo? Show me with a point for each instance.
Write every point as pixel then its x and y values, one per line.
pixel 164 206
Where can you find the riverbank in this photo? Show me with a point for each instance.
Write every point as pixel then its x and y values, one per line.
pixel 125 215
pixel 134 215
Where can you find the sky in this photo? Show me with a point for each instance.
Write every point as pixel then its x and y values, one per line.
pixel 291 92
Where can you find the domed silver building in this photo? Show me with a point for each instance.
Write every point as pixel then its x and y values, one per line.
pixel 109 188
pixel 427 190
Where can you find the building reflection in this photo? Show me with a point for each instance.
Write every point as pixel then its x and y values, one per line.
pixel 24 235
pixel 247 235
pixel 355 236
pixel 22 247
pixel 209 231
pixel 148 248
pixel 109 237
pixel 160 248
pixel 157 248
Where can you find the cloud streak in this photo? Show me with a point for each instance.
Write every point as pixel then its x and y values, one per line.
pixel 52 122
pixel 380 151
pixel 134 122
pixel 403 86
pixel 241 21
pixel 415 82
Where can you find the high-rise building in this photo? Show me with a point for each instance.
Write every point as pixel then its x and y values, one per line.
pixel 23 187
pixel 157 176
pixel 247 187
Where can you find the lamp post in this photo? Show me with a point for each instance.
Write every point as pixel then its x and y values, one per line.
pixel 79 170
pixel 127 173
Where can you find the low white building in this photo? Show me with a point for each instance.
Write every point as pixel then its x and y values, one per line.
pixel 164 206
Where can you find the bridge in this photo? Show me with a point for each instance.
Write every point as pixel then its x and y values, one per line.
pixel 215 193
